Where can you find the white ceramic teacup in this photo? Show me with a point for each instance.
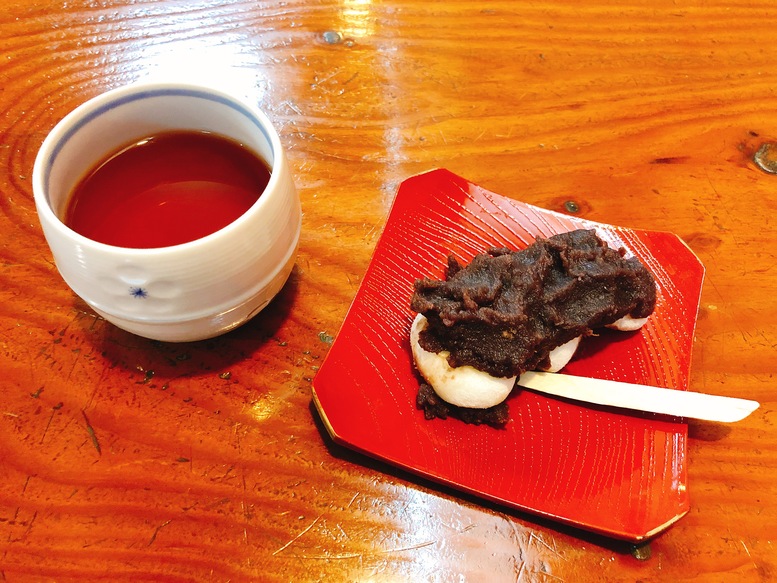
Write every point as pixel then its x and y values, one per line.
pixel 191 291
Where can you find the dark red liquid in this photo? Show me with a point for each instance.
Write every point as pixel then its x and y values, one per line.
pixel 167 189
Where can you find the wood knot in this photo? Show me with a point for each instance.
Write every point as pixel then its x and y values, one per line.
pixel 570 206
pixel 701 241
pixel 766 157
pixel 332 37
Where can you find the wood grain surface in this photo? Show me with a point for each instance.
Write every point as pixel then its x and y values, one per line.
pixel 123 459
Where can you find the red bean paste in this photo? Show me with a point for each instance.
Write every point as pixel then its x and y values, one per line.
pixel 506 310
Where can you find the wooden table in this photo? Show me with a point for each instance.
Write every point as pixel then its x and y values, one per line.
pixel 124 459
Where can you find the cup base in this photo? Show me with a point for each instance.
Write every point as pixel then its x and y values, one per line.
pixel 209 326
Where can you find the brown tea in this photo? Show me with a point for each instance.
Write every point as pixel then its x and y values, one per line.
pixel 167 189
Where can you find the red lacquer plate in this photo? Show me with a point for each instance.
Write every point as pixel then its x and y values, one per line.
pixel 605 470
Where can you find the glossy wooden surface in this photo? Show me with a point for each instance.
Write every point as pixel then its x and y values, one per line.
pixel 123 459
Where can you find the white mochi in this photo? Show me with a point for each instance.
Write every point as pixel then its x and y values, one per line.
pixel 464 386
pixel 628 324
pixel 561 355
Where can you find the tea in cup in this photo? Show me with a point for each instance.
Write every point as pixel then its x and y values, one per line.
pixel 169 208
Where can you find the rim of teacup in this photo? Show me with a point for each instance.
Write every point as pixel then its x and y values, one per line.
pixel 84 113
